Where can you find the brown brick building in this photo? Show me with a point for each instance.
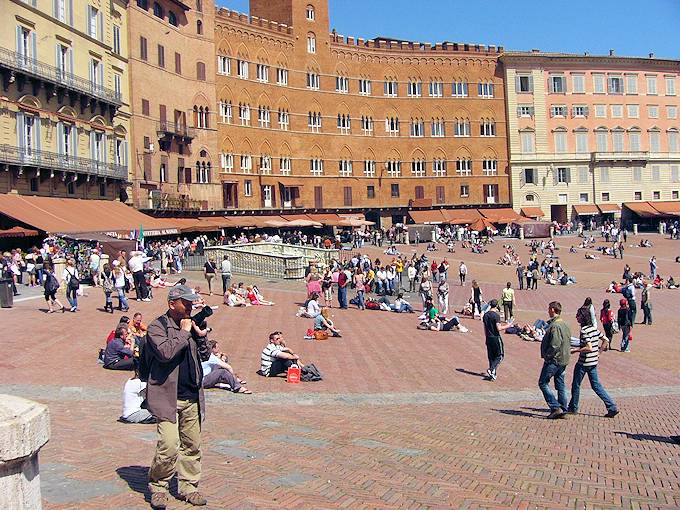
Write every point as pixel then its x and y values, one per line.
pixel 309 120
pixel 174 142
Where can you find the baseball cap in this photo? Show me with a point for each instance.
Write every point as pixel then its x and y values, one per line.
pixel 183 292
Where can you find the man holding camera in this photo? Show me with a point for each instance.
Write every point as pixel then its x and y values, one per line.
pixel 175 397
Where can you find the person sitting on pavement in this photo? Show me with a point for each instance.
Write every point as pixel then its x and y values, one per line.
pixel 217 373
pixel 400 305
pixel 276 358
pixel 323 322
pixel 119 354
pixel 137 328
pixel 311 308
pixel 231 298
pixel 255 298
pixel 134 393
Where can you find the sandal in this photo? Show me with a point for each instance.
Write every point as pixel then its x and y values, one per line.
pixel 244 391
pixel 241 381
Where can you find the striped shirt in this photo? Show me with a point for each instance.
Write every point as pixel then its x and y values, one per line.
pixel 590 334
pixel 268 356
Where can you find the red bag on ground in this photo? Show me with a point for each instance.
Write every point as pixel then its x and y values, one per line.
pixel 293 375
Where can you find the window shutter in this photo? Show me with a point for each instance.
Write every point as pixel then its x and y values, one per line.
pixel 55 8
pixel 92 146
pixel 74 141
pixel 34 45
pixel 92 72
pixel 60 138
pixel 522 177
pixel 517 84
pixel 21 128
pixel 535 175
pixel 37 143
pixel 20 47
pixel 57 59
pixel 70 13
pixel 568 176
pixel 100 26
pixel 531 83
pixel 88 17
pixel 555 176
pixel 105 144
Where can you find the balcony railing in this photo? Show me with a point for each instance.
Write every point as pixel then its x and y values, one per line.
pixel 22 156
pixel 620 156
pixel 31 67
pixel 166 128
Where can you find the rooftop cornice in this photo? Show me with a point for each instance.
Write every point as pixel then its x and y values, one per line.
pixel 509 57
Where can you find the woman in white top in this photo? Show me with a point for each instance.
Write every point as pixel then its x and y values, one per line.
pixel 134 393
pixel 120 280
pixel 71 280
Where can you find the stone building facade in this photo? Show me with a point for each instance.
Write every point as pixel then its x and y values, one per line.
pixel 311 120
pixel 64 110
pixel 589 133
pixel 172 64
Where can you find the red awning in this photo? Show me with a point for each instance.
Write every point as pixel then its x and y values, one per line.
pixel 586 209
pixel 461 216
pixel 643 209
pixel 532 212
pixel 504 215
pixel 427 217
pixel 667 208
pixel 609 208
pixel 18 232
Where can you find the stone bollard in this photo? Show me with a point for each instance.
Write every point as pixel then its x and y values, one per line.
pixel 24 430
pixel 635 229
pixel 58 266
pixel 521 232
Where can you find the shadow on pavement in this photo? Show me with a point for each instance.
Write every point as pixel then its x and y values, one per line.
pixel 646 437
pixel 469 372
pixel 137 478
pixel 517 412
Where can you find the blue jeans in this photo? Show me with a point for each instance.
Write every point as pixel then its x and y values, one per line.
pixel 342 297
pixel 625 338
pixel 360 299
pixel 122 300
pixel 549 371
pixel 579 373
pixel 72 296
pixel 403 308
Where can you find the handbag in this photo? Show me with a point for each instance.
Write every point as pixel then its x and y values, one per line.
pixel 320 334
pixel 615 326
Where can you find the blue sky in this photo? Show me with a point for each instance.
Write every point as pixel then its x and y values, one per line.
pixel 629 27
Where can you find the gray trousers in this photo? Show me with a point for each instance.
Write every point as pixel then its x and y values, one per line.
pixel 221 375
pixel 140 416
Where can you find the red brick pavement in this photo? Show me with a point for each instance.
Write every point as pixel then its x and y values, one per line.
pixel 476 455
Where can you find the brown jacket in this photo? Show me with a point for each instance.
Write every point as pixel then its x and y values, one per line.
pixel 168 349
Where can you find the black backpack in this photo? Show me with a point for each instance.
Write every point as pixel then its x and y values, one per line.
pixel 145 354
pixel 309 373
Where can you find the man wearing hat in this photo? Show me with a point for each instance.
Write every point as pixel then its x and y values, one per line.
pixel 175 398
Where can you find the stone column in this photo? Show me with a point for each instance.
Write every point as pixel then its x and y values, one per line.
pixel 59 265
pixel 24 430
pixel 521 232
pixel 635 229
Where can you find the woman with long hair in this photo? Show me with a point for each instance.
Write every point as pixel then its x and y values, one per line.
pixel 607 320
pixel 51 285
pixel 360 284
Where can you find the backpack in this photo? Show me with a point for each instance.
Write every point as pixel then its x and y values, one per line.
pixel 51 284
pixel 73 282
pixel 310 373
pixel 625 291
pixel 145 354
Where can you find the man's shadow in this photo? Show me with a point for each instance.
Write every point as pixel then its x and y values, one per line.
pixel 645 437
pixel 518 412
pixel 137 478
pixel 470 372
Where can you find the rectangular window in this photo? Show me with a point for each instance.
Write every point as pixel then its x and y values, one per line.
pixel 459 89
pixel 563 175
pixel 227 162
pixel 578 83
pixel 601 141
pixel 143 51
pixel 490 193
pixel 415 89
pixel 34 184
pixel 178 63
pixel 262 72
pixel 651 85
pixel 633 111
pixel 557 84
pixel 558 111
pixel 604 174
pixel 670 85
pixel 369 168
pixel 464 166
pixel 161 56
pixel 145 107
pixel 654 141
pixel 675 194
pixel 598 83
pixel 581 142
pixel 489 167
pixel 530 176
pixel 637 174
pixel 248 188
pixel 436 89
pixel 617 111
pixel 631 84
pixel 583 175
pixel 93 16
pixel 394 190
pixel 615 84
pixel 418 168
pixel 485 90
pixel 285 166
pixel 656 173
pixel 364 87
pixel 345 168
pixel 605 196
pixel 524 84
pixel 347 196
pixel 242 69
pixel 464 190
pixel 311 44
pixel 601 111
pixel 656 195
pixel 390 88
pixel 583 198
pixel 116 40
pixel 527 141
pixel 342 84
pixel 394 168
pixel 525 110
pixel 560 141
pixel 370 191
pixel 579 111
pixel 282 76
pixel 316 167
pixel 672 141
pixel 223 65
pixel 637 195
pixel 617 141
pixel 313 81
pixel 653 111
pixel 672 111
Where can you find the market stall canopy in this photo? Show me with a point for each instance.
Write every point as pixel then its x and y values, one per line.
pixel 609 208
pixel 532 212
pixel 432 217
pixel 72 215
pixel 503 215
pixel 461 216
pixel 667 208
pixel 18 232
pixel 482 224
pixel 355 222
pixel 110 245
pixel 643 209
pixel 303 223
pixel 586 209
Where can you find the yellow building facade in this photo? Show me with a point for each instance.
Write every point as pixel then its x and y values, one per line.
pixel 64 108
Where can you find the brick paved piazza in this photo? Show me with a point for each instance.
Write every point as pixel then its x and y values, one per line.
pixel 402 420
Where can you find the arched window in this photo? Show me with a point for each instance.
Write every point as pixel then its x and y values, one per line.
pixel 311 43
pixel 311 15
pixel 172 18
pixel 200 71
pixel 157 10
pixel 199 27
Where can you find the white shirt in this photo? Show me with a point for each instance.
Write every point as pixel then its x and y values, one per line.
pixel 411 272
pixel 382 275
pixel 212 363
pixel 136 263
pixel 68 273
pixel 134 392
pixel 226 267
pixel 94 261
pixel 462 269
pixel 313 308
